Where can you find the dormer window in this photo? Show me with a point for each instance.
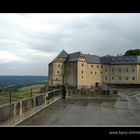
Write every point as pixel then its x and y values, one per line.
pixel 133 59
pixel 112 59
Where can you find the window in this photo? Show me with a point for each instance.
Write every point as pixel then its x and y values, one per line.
pixel 126 78
pixel 58 65
pixel 95 72
pixel 56 79
pixel 82 77
pixel 101 66
pixel 82 72
pixel 112 70
pixel 97 66
pixel 100 72
pixel 112 78
pixel 119 70
pixel 106 70
pixel 57 72
pixel 133 59
pixel 82 64
pixel 133 78
pixel 92 66
pixel 91 72
pixel 119 78
pixel 126 69
pixel 133 70
pixel 105 78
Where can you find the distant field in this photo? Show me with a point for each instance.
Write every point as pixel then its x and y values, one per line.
pixel 22 93
pixel 20 87
pixel 18 95
pixel 10 82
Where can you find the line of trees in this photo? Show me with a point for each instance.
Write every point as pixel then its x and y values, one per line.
pixel 132 52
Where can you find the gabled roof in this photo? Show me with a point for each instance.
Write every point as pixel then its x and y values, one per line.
pixel 121 60
pixel 92 58
pixel 63 54
pixel 97 60
pixel 89 58
pixel 74 56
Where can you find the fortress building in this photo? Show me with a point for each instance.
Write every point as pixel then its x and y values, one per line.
pixel 79 70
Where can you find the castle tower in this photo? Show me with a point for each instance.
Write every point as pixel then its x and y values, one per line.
pixel 56 70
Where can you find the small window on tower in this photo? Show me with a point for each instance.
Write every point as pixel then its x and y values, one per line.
pixel 133 78
pixel 82 64
pixel 57 72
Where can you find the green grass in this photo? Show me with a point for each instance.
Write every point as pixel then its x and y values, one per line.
pixel 18 95
pixel 22 93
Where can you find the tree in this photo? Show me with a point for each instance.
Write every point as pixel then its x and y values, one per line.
pixel 132 52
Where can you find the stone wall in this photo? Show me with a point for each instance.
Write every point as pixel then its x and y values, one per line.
pixel 90 92
pixel 27 104
pixel 120 74
pixel 15 112
pixel 6 112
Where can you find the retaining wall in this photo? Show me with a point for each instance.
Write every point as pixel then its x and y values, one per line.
pixel 16 112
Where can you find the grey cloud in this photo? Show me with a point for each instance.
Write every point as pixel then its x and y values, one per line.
pixel 98 34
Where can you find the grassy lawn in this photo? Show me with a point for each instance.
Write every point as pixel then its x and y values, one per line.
pixel 18 95
pixel 22 93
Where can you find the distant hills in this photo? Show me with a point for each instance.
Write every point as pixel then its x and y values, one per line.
pixel 20 81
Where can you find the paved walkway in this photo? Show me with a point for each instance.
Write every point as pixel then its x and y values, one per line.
pixel 90 112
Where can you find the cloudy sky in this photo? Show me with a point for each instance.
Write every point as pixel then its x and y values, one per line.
pixel 28 42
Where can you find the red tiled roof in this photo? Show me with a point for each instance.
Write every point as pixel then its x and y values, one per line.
pixel 39 86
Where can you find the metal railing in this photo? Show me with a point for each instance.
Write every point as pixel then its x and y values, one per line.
pixel 17 111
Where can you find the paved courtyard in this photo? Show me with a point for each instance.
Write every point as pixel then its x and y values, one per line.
pixel 125 110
